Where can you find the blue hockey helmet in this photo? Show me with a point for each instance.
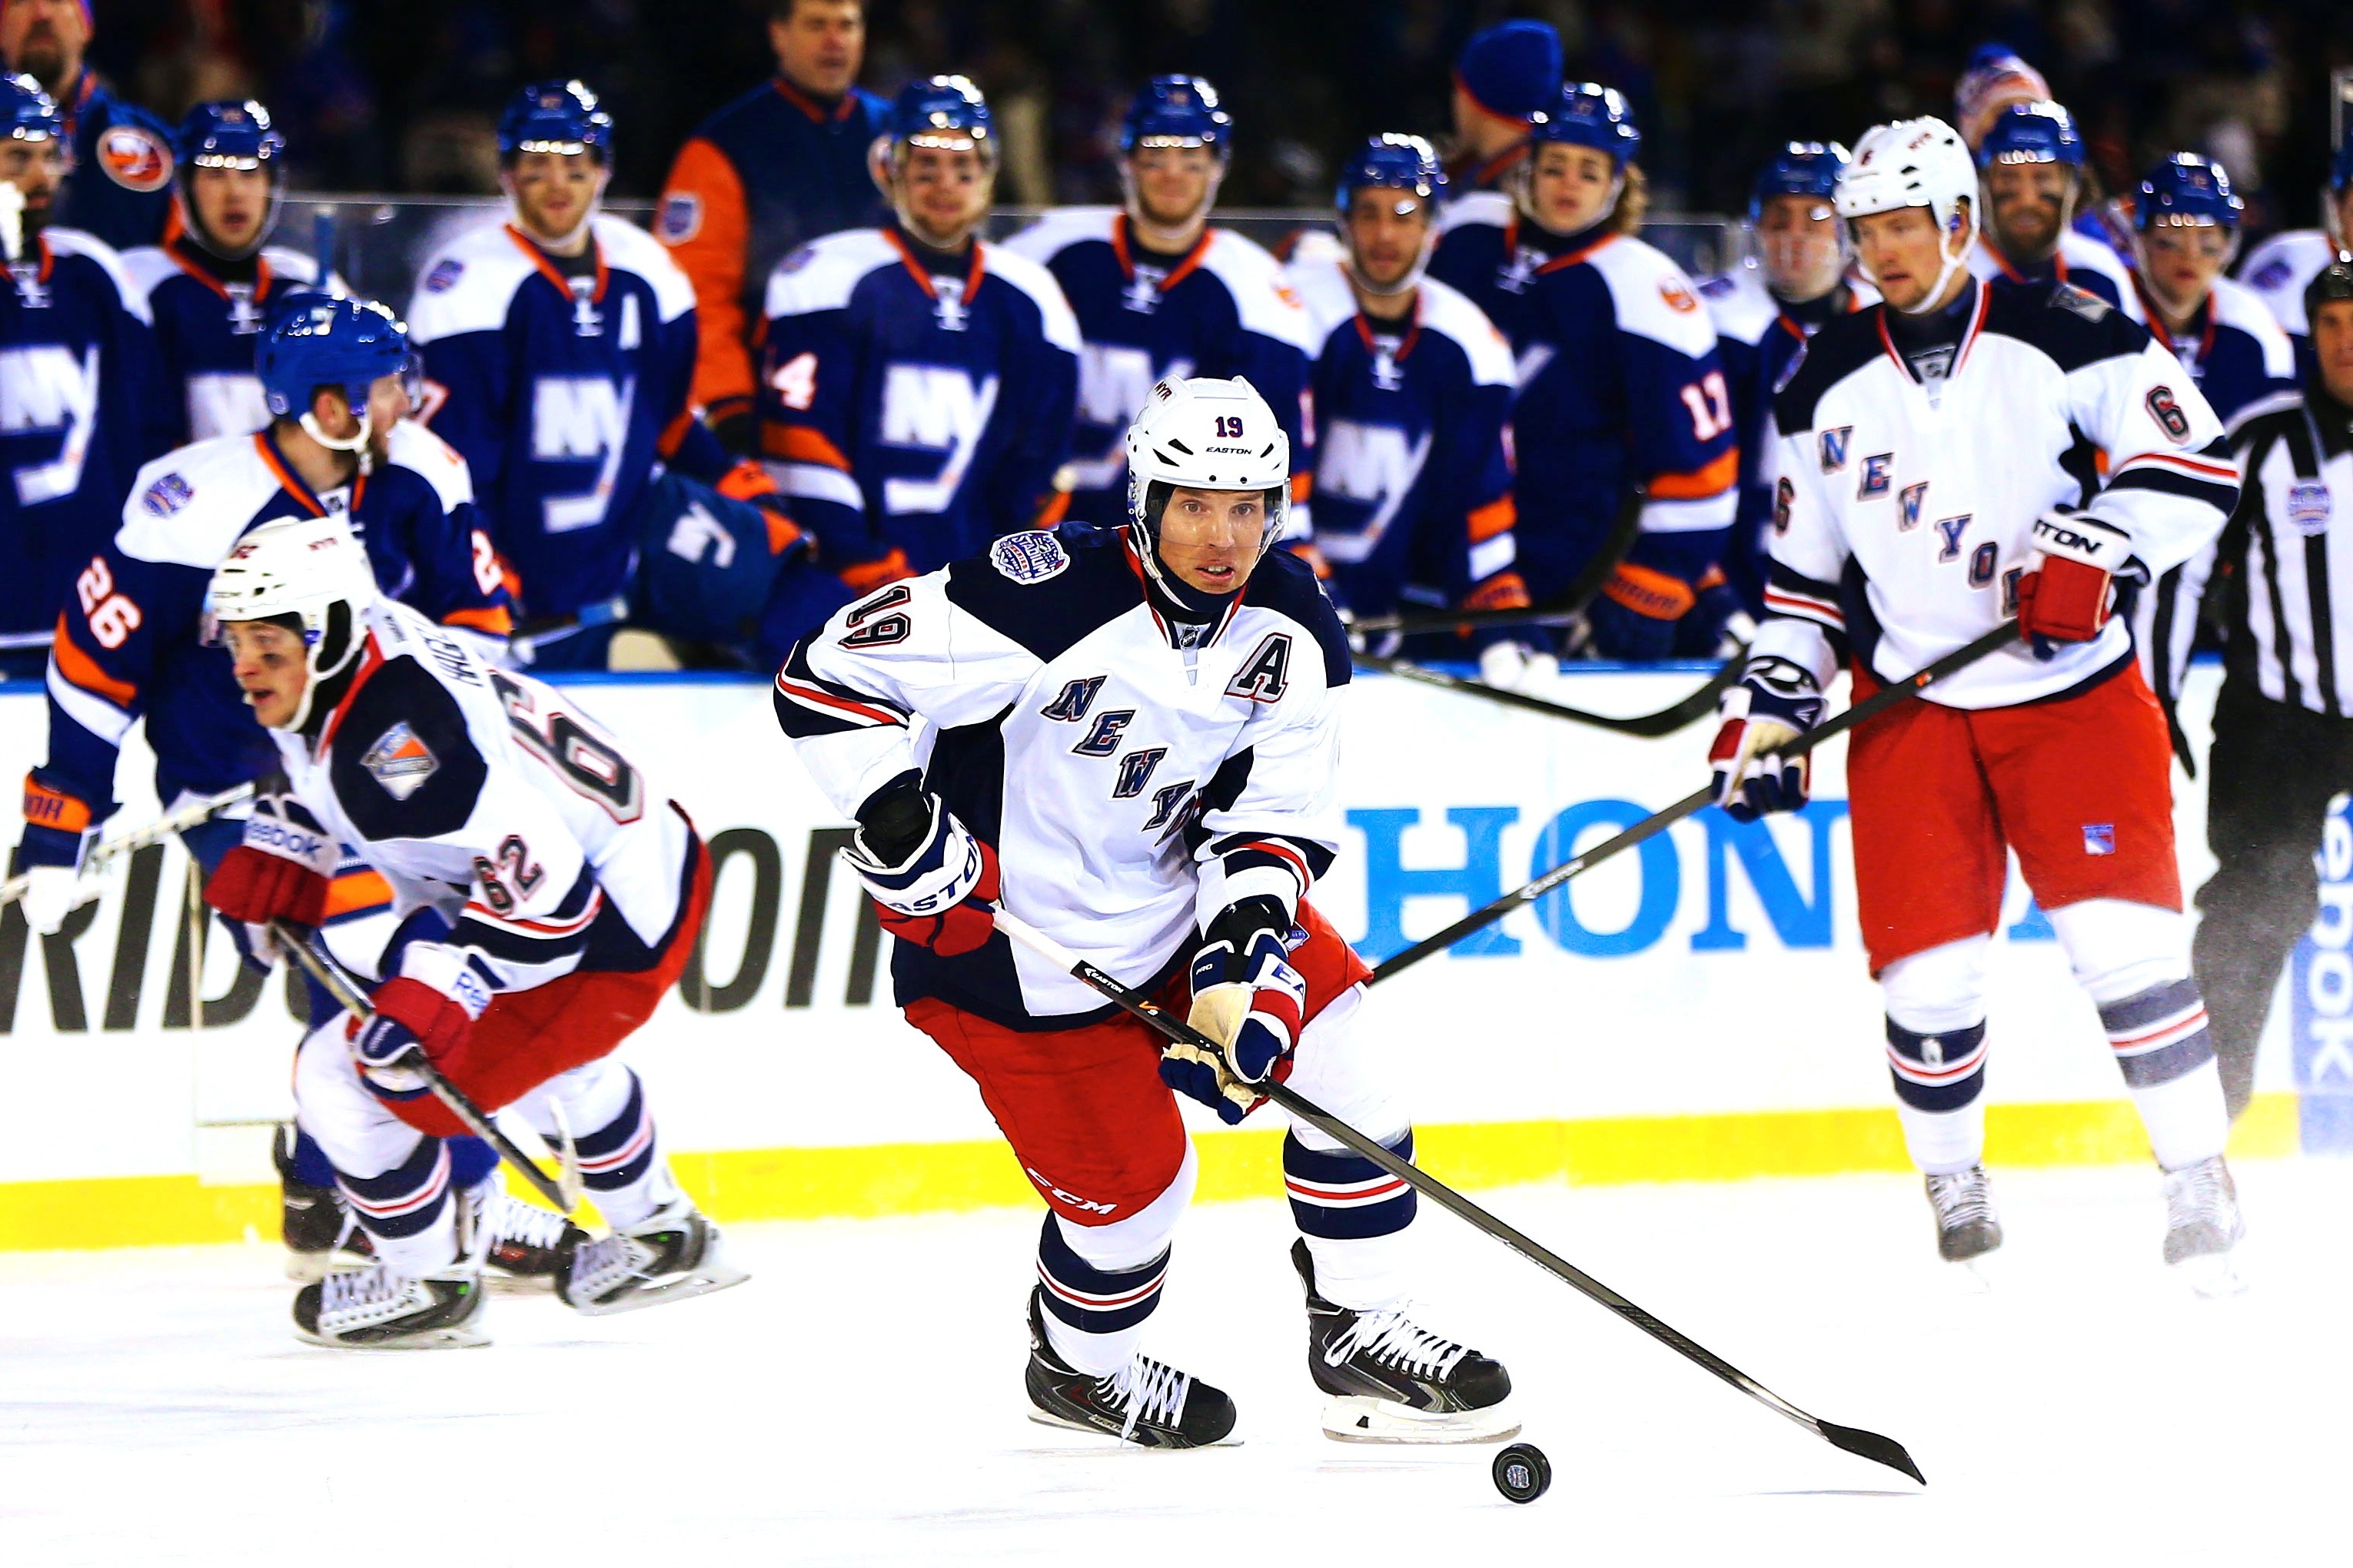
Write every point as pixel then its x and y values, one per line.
pixel 231 133
pixel 555 117
pixel 26 114
pixel 1392 161
pixel 1799 169
pixel 330 341
pixel 946 112
pixel 1590 115
pixel 2037 133
pixel 1176 111
pixel 2188 190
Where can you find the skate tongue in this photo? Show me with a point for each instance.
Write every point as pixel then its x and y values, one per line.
pixel 1872 1446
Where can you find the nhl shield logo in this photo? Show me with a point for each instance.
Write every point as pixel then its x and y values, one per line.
pixel 400 762
pixel 2308 506
pixel 1833 443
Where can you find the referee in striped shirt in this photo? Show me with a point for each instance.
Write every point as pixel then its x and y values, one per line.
pixel 2282 599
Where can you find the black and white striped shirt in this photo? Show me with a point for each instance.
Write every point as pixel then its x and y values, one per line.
pixel 2281 575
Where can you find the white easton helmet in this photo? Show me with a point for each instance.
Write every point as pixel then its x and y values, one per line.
pixel 1919 163
pixel 311 571
pixel 1204 434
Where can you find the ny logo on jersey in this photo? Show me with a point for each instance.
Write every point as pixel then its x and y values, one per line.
pixel 1385 374
pixel 1371 464
pixel 1834 445
pixel 44 390
pixel 1142 291
pixel 1878 477
pixel 580 418
pixel 1135 771
pixel 1076 698
pixel 1949 530
pixel 1520 272
pixel 1908 502
pixel 587 320
pixel 30 290
pixel 947 298
pixel 1102 737
pixel 244 317
pixel 933 408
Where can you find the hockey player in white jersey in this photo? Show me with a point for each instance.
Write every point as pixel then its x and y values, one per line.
pixel 548 895
pixel 2280 268
pixel 1936 477
pixel 1129 738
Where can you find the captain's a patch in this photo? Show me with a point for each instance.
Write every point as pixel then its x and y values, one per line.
pixel 1031 557
pixel 400 762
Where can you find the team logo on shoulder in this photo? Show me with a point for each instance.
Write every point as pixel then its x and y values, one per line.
pixel 1878 477
pixel 797 260
pixel 400 762
pixel 1834 445
pixel 1716 287
pixel 170 493
pixel 1031 557
pixel 1908 502
pixel 2081 301
pixel 135 158
pixel 2273 273
pixel 444 275
pixel 1678 298
pixel 1789 371
pixel 680 219
pixel 2308 506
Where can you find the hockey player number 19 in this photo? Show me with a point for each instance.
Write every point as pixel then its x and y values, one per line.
pixel 587 763
pixel 1711 405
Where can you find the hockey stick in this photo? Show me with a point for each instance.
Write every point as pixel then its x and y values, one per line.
pixel 330 977
pixel 156 832
pixel 1651 827
pixel 1665 722
pixel 1623 531
pixel 1854 1439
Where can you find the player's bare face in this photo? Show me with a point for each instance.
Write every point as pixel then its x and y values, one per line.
pixel 553 192
pixel 1569 188
pixel 1387 231
pixel 387 406
pixel 1904 253
pixel 44 38
pixel 1172 183
pixel 2026 204
pixel 231 204
pixel 946 191
pixel 36 169
pixel 270 666
pixel 1212 539
pixel 1797 241
pixel 2181 262
pixel 820 45
pixel 2332 347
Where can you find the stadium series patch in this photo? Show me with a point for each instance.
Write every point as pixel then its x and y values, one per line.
pixel 2308 506
pixel 1031 557
pixel 400 762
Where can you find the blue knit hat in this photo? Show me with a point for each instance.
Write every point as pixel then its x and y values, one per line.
pixel 1513 69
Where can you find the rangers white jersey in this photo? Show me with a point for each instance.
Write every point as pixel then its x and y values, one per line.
pixel 1135 774
pixel 488 798
pixel 1902 524
pixel 2280 267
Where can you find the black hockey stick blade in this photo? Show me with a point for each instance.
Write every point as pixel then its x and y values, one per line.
pixel 1665 722
pixel 1872 1446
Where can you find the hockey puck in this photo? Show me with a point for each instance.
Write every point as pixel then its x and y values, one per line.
pixel 1522 1472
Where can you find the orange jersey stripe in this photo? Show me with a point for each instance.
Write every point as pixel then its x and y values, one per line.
pixel 83 671
pixel 356 891
pixel 1496 517
pixel 494 618
pixel 1712 480
pixel 711 252
pixel 799 444
pixel 46 807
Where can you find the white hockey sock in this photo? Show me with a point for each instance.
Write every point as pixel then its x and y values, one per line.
pixel 2185 1116
pixel 1944 1141
pixel 1366 1273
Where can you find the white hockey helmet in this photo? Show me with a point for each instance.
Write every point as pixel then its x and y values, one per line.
pixel 309 574
pixel 1201 432
pixel 1919 162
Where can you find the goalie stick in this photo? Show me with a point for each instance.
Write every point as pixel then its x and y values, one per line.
pixel 1665 722
pixel 1854 1439
pixel 156 832
pixel 565 1192
pixel 1651 827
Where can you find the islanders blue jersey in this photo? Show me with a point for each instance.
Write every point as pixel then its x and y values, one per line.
pixel 2234 349
pixel 131 644
pixel 1413 487
pixel 1620 385
pixel 1222 309
pixel 78 414
pixel 120 186
pixel 911 414
pixel 560 393
pixel 206 325
pixel 1759 339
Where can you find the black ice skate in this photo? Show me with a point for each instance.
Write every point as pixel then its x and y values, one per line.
pixel 1147 1404
pixel 2202 1225
pixel 669 1257
pixel 375 1309
pixel 1967 1226
pixel 528 1245
pixel 314 1222
pixel 1392 1381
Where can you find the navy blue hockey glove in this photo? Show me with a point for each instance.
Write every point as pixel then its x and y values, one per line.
pixel 932 881
pixel 1250 1004
pixel 1776 701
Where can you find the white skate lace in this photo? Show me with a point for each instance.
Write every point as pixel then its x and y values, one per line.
pixel 358 1289
pixel 1149 1391
pixel 2199 1195
pixel 1396 1339
pixel 1964 1198
pixel 511 1219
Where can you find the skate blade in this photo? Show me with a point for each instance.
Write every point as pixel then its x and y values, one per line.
pixel 458 1337
pixel 499 1283
pixel 644 1293
pixel 1357 1418
pixel 2212 1277
pixel 1120 1444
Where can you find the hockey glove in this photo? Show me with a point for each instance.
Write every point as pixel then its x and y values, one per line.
pixel 49 857
pixel 1635 614
pixel 931 880
pixel 1518 667
pixel 1776 701
pixel 1249 1000
pixel 425 1011
pixel 2070 584
pixel 280 872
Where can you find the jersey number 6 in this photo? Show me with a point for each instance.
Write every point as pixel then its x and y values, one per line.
pixel 589 764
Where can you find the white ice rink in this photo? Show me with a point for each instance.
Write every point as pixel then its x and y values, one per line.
pixel 861 1401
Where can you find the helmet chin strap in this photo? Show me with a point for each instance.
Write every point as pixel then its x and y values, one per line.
pixel 318 676
pixel 356 444
pixel 1936 294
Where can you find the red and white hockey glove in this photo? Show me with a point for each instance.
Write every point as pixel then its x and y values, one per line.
pixel 1249 1000
pixel 2069 583
pixel 428 1010
pixel 1776 701
pixel 280 871
pixel 933 880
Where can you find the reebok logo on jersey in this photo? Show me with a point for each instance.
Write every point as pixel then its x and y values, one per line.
pixel 1031 557
pixel 1835 443
pixel 2308 506
pixel 400 762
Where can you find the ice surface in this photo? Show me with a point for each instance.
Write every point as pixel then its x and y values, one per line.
pixel 860 1401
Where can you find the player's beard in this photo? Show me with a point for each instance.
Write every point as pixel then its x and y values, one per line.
pixel 42 56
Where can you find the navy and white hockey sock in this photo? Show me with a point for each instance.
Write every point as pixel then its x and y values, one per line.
pixel 1094 1316
pixel 406 1210
pixel 1940 1094
pixel 2166 1052
pixel 620 1164
pixel 1354 1216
